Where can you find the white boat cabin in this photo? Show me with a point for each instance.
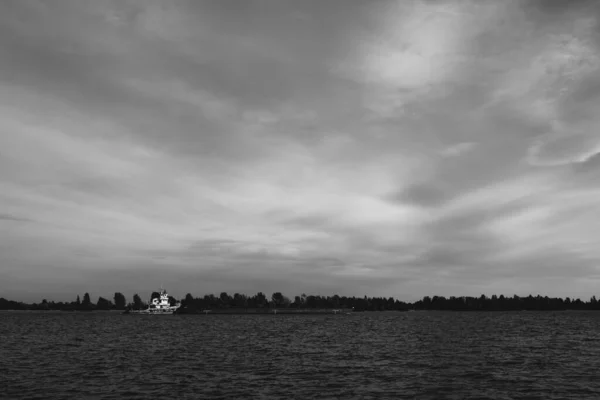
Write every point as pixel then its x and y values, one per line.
pixel 162 302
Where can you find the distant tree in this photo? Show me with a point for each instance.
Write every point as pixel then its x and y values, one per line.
pixel 277 299
pixel 154 295
pixel 390 303
pixel 240 300
pixel 11 305
pixel 78 301
pixel 189 300
pixel 103 304
pixel 172 301
pixel 311 302
pixel 86 300
pixel 210 301
pixel 137 302
pixel 260 299
pixel 427 302
pixel 225 299
pixel 120 301
pixel 297 302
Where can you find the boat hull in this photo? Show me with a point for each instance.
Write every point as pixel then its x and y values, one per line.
pixel 157 312
pixel 158 305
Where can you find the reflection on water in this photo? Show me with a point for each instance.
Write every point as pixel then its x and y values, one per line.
pixel 423 355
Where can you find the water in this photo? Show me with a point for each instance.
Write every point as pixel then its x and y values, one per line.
pixel 421 355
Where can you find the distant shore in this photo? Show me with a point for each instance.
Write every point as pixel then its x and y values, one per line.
pixel 246 311
pixel 284 311
pixel 278 303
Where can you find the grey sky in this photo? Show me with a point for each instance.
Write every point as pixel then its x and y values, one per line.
pixel 365 148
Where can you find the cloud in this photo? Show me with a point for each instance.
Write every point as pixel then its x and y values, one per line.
pixel 15 218
pixel 564 149
pixel 397 149
pixel 458 149
pixel 422 194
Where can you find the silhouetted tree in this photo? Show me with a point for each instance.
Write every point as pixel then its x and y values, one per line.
pixel 120 301
pixel 137 302
pixel 240 300
pixel 189 300
pixel 86 303
pixel 277 299
pixel 297 302
pixel 103 304
pixel 225 299
pixel 260 300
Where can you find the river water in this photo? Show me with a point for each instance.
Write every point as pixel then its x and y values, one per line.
pixel 416 355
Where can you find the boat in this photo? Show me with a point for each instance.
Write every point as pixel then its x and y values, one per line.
pixel 158 306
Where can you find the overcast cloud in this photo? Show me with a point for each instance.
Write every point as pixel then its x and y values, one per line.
pixel 375 148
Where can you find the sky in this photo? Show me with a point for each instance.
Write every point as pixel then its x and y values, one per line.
pixel 379 148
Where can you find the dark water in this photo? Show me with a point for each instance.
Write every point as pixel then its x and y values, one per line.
pixel 421 355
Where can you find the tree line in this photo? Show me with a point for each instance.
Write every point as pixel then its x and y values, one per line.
pixel 441 303
pixel 118 302
pixel 502 303
pixel 278 300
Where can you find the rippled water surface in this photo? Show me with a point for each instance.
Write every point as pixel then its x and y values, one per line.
pixel 421 355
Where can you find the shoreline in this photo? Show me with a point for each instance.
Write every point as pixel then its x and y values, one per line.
pixel 264 311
